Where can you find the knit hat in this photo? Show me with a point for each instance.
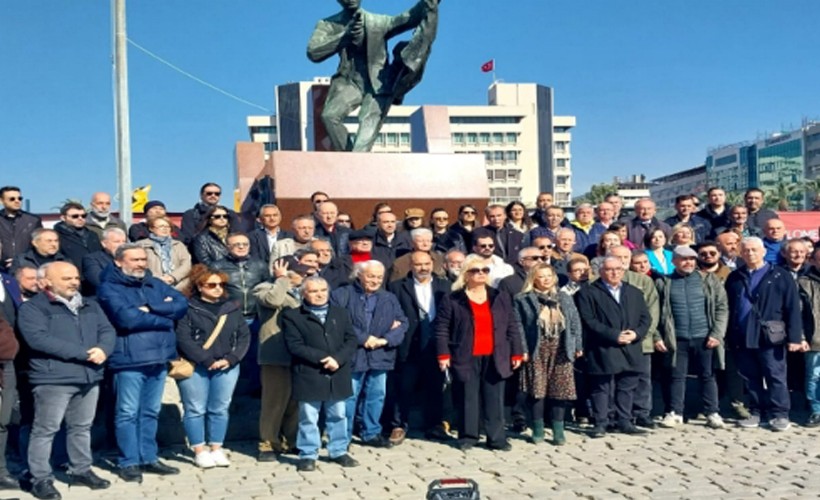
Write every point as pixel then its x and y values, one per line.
pixel 151 204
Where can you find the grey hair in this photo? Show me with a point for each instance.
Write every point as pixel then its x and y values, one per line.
pixel 612 258
pixel 420 231
pixel 749 240
pixel 41 271
pixel 310 279
pixel 361 267
pixel 584 205
pixel 124 248
pixel 564 230
pixel 525 250
pixel 113 230
pixel 35 235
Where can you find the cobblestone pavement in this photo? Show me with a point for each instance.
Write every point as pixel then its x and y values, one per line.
pixel 688 462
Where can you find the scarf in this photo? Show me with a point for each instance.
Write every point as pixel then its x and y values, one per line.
pixel 99 218
pixel 319 311
pixel 550 318
pixel 73 304
pixel 222 234
pixel 163 247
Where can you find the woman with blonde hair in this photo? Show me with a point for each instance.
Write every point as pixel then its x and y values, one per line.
pixel 683 234
pixel 551 333
pixel 168 259
pixel 478 337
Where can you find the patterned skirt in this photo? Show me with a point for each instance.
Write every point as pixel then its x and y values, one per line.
pixel 549 373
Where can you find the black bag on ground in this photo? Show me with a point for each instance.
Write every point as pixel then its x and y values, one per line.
pixel 456 488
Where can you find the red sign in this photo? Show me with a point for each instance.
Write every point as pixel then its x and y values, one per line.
pixel 799 224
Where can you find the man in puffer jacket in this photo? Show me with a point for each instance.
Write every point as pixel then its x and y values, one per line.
pixel 143 310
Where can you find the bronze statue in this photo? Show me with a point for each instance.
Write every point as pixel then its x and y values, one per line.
pixel 365 76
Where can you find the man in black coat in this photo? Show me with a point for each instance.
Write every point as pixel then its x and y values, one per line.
pixel 45 249
pixel 321 339
pixel 615 320
pixel 416 368
pixel 265 237
pixel 16 226
pixel 508 241
pixel 95 262
pixel 209 196
pixel 76 240
pixel 336 270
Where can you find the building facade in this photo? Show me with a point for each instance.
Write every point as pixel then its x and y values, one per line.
pixel 665 189
pixel 526 148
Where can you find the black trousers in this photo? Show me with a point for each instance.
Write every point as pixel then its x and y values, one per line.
pixel 694 354
pixel 624 386
pixel 516 399
pixel 481 399
pixel 416 380
pixel 642 404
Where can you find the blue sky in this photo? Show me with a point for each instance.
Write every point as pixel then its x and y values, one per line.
pixel 652 83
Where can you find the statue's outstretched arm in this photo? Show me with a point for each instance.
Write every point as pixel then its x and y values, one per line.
pixel 412 17
pixel 327 39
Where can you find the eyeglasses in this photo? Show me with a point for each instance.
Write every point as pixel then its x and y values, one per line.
pixel 15 198
pixel 75 216
pixel 211 286
pixel 468 212
pixel 212 193
pixel 161 226
pixel 710 253
pixel 485 245
pixel 240 245
pixel 479 270
pixel 343 221
pixel 546 247
pixel 441 218
pixel 537 257
pixel 612 269
pixel 219 216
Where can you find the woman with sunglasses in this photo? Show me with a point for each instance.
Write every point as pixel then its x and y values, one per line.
pixel 552 333
pixel 210 244
pixel 478 338
pixel 168 259
pixel 206 395
pixel 460 234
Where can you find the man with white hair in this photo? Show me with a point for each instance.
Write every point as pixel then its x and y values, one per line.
pixel 644 222
pixel 95 262
pixel 587 232
pixel 327 227
pixel 99 218
pixel 380 325
pixel 764 322
pixel 421 240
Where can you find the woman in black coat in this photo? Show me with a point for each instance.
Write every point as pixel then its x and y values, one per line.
pixel 206 395
pixel 478 336
pixel 210 244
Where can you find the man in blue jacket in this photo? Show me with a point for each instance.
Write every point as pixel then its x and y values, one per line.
pixel 69 338
pixel 380 325
pixel 143 309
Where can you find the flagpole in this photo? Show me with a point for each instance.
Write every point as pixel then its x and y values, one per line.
pixel 123 134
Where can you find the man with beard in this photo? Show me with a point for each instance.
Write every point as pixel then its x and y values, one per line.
pixel 192 220
pixel 99 217
pixel 709 260
pixel 336 270
pixel 144 310
pixel 729 245
pixel 76 240
pixel 16 226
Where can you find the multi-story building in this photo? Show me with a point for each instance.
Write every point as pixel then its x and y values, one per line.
pixel 729 166
pixel 632 189
pixel 526 148
pixel 665 189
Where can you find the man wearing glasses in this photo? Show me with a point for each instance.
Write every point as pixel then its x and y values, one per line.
pixel 484 247
pixel 76 240
pixel 209 196
pixel 528 257
pixel 709 260
pixel 16 226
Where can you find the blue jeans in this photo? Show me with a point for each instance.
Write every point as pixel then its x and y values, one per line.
pixel 139 399
pixel 813 380
pixel 308 439
pixel 206 395
pixel 373 385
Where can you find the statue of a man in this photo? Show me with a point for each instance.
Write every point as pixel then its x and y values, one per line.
pixel 365 76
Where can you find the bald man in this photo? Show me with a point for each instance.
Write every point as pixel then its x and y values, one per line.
pixel 99 218
pixel 69 338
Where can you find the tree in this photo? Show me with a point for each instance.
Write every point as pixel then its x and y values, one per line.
pixel 735 198
pixel 781 196
pixel 597 193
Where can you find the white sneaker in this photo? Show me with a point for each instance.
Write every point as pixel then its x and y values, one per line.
pixel 671 420
pixel 204 460
pixel 714 421
pixel 219 458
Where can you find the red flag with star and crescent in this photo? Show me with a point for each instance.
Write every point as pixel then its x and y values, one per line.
pixel 488 66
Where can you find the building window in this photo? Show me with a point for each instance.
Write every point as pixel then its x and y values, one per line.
pixel 514 175
pixel 561 147
pixel 512 138
pixel 484 119
pixel 561 181
pixel 560 162
pixel 498 192
pixel 498 156
pixel 488 157
pixel 380 140
pixel 511 156
pixel 392 139
pixel 458 138
pixel 404 138
pixel 500 175
pixel 472 138
pixel 498 137
pixel 484 137
pixel 514 193
pixel 490 175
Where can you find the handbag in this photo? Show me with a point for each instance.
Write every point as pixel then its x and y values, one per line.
pixel 773 331
pixel 181 368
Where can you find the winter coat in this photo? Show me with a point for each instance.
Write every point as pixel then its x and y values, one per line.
pixel 98 227
pixel 405 292
pixel 196 327
pixel 243 276
pixel 650 295
pixel 809 286
pixel 455 333
pixel 76 244
pixel 207 248
pixel 701 227
pixel 143 338
pixel 309 341
pixel 338 238
pixel 527 310
pixel 15 234
pixel 386 252
pixel 33 259
pixel 259 242
pixel 337 271
pixel 140 231
pixel 513 283
pixel 776 298
pixel 636 230
pixel 271 300
pixel 57 340
pixel 403 265
pixel 387 310
pixel 192 222
pixel 512 240
pixel 180 258
pixel 458 237
pixel 93 265
pixel 603 319
pixel 717 316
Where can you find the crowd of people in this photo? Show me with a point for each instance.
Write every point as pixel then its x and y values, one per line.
pixel 343 332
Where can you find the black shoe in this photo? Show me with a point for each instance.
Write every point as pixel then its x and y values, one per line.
pixel 437 434
pixel 814 420
pixel 9 483
pixel 266 456
pixel 646 423
pixel 131 474
pixel 503 446
pixel 465 444
pixel 519 427
pixel 89 479
pixel 598 431
pixel 160 468
pixel 631 429
pixel 345 461
pixel 45 490
pixel 378 442
pixel 306 465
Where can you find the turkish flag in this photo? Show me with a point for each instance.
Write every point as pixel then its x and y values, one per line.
pixel 488 66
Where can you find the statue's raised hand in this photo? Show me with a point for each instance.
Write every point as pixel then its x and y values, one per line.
pixel 356 29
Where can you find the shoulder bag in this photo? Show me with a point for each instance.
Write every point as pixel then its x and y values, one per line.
pixel 181 368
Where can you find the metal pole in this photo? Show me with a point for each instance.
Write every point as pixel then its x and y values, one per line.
pixel 123 131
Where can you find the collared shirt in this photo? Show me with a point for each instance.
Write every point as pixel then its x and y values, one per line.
pixel 272 237
pixel 424 296
pixel 614 291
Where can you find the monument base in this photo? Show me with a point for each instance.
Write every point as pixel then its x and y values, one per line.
pixel 357 181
